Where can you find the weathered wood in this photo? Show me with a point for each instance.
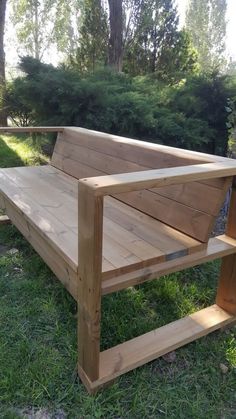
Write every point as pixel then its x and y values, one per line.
pixel 90 273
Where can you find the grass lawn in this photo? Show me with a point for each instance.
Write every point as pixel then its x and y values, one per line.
pixel 38 339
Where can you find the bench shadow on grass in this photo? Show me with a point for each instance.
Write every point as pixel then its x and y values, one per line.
pixel 8 157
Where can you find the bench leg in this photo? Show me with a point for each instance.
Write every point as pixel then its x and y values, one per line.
pixel 89 285
pixel 226 293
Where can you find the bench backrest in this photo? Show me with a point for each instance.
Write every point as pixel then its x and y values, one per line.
pixel 190 208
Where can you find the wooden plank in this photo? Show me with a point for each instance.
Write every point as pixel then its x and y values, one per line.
pixel 193 222
pixel 62 239
pixel 61 269
pixel 138 351
pixel 147 228
pixel 122 146
pixel 73 168
pixel 231 222
pixel 4 219
pixel 71 156
pixel 226 292
pixel 30 129
pixel 217 248
pixel 82 156
pixel 89 288
pixel 128 182
pixel 194 195
pixel 49 202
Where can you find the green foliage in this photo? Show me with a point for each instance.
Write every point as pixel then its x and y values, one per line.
pixel 192 114
pixel 206 22
pixel 93 41
pixel 155 30
pixel 34 25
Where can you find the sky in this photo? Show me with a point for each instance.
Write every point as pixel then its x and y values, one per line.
pixel 231 24
pixel 12 56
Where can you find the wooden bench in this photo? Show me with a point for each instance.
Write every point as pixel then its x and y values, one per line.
pixel 109 213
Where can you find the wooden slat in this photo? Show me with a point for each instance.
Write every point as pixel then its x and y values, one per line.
pixel 82 153
pixel 128 182
pixel 132 240
pixel 217 248
pixel 140 150
pixel 193 222
pixel 30 129
pixel 138 351
pixel 61 269
pixel 45 223
pixel 194 195
pixel 147 228
pixel 153 156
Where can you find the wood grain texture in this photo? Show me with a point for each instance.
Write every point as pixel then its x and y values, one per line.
pixel 82 153
pixel 48 199
pixel 128 182
pixel 56 263
pixel 89 284
pixel 217 248
pixel 138 351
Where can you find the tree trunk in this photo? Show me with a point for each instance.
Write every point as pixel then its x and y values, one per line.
pixel 115 52
pixel 3 117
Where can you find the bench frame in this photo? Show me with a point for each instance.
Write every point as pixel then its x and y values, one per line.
pixel 96 368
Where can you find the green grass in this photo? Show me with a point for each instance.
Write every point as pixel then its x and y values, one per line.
pixel 38 339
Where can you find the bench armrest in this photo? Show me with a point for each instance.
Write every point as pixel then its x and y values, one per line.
pixel 31 129
pixel 148 179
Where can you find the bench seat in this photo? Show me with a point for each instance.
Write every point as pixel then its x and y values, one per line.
pixel 48 200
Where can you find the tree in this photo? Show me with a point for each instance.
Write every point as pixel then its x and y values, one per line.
pixel 155 31
pixel 34 21
pixel 115 52
pixel 205 20
pixel 3 117
pixel 67 22
pixel 93 36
